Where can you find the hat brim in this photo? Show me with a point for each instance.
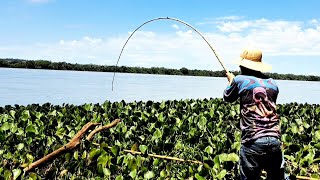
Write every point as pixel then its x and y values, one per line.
pixel 258 66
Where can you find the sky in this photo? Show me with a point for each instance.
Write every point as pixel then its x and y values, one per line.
pixel 94 32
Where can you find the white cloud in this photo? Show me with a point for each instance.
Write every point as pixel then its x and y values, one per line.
pixel 233 26
pixel 184 48
pixel 214 21
pixel 175 26
pixel 232 18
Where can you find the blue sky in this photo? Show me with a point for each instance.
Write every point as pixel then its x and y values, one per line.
pixel 83 31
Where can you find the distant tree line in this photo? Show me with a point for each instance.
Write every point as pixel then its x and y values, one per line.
pixel 44 64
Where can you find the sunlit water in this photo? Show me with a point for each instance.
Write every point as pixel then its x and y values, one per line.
pixel 26 86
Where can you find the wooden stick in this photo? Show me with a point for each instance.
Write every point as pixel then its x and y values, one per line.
pixel 115 122
pixel 305 178
pixel 157 156
pixel 164 157
pixel 74 142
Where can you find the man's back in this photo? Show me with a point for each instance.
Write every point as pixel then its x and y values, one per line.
pixel 258 106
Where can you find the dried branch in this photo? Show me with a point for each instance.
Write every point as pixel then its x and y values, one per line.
pixel 115 122
pixel 74 142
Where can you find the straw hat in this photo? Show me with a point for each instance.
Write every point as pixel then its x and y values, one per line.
pixel 252 58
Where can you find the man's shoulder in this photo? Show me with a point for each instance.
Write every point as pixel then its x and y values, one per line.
pixel 246 77
pixel 239 78
pixel 251 82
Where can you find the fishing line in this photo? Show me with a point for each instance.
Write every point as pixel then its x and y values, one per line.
pixel 173 19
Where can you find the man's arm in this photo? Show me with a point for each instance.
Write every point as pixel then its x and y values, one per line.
pixel 231 93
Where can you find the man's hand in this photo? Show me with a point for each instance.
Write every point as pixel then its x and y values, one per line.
pixel 230 77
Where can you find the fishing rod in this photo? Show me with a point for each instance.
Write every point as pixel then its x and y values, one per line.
pixel 173 19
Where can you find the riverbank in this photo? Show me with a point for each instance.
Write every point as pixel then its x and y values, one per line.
pixel 45 64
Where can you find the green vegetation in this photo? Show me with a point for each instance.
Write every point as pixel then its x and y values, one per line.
pixel 204 130
pixel 43 64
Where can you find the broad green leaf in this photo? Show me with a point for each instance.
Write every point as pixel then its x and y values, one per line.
pixel 134 147
pixel 114 150
pixel 317 135
pixel 84 155
pixel 12 113
pixel 60 134
pixel 160 117
pixel 29 140
pixel 306 125
pixel 53 113
pixel 283 119
pixel 233 157
pixel 133 173
pixel 7 174
pixel 63 173
pixel 317 145
pixel 25 115
pixel 60 114
pixel 103 160
pixel 298 121
pixel 233 113
pixel 202 123
pixel 68 156
pixel 206 166
pixel 93 153
pixel 143 148
pixel 216 161
pixel 209 150
pixel 33 176
pixel 222 174
pixel 106 171
pixel 6 126
pixel 119 177
pixel 290 158
pixel 155 162
pixel 20 146
pixel 163 174
pixel 198 177
pixel 39 115
pixel 157 134
pixel 236 146
pixel 76 155
pixel 32 128
pixel 14 128
pixel 294 129
pixel 148 175
pixel 8 155
pixel 315 176
pixel 16 173
pixel 223 157
pixel 20 132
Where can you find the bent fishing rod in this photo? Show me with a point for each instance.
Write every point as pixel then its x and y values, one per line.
pixel 173 19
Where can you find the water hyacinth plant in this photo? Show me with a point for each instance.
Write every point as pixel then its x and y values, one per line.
pixel 205 130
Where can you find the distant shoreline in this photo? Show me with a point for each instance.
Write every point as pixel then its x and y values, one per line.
pixel 48 65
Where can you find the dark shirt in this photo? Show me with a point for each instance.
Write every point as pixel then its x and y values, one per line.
pixel 257 106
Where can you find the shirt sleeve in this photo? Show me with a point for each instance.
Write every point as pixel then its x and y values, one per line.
pixel 231 93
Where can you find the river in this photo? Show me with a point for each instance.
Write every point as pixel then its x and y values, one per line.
pixel 28 86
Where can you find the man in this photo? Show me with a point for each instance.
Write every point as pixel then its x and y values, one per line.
pixel 259 123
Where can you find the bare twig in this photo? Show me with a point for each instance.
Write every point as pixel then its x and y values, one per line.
pixel 75 141
pixel 115 122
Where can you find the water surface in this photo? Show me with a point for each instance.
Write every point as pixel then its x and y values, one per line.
pixel 27 86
